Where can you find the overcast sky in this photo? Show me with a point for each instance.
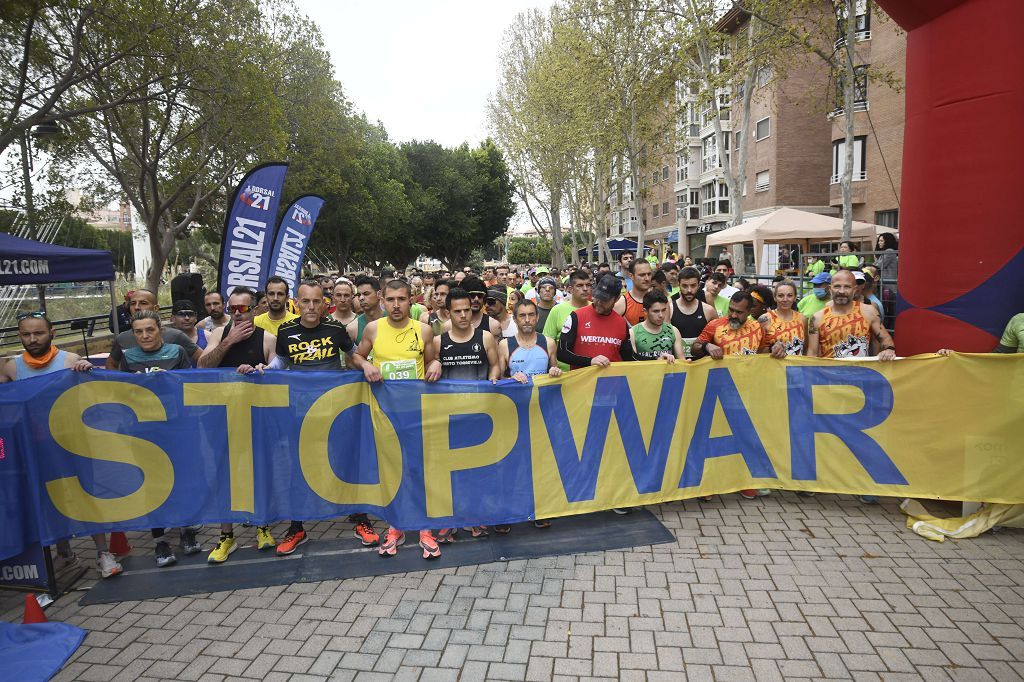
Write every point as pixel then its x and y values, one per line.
pixel 426 68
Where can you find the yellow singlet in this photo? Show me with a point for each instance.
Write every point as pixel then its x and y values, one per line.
pixel 398 353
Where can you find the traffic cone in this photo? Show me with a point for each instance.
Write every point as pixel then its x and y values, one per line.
pixel 33 611
pixel 119 546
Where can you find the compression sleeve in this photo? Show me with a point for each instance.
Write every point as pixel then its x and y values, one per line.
pixel 277 363
pixel 566 342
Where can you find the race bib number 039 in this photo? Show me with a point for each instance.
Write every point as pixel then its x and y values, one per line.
pixel 398 369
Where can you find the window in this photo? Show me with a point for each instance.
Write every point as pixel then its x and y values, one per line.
pixel 762 128
pixel 839 159
pixel 762 183
pixel 890 218
pixel 694 204
pixel 664 208
pixel 862 22
pixel 860 90
pixel 714 198
pixel 664 172
pixel 738 136
pixel 681 206
pixel 764 76
pixel 709 156
pixel 654 211
pixel 680 167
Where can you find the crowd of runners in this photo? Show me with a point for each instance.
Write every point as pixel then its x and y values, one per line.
pixel 482 326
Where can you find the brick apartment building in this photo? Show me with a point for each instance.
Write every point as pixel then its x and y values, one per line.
pixel 795 147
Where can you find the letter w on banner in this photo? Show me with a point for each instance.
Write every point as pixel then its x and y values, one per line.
pixel 293 234
pixel 249 228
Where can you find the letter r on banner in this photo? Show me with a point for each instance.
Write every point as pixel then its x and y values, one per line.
pixel 849 428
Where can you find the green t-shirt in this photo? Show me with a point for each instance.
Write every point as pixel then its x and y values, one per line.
pixel 810 304
pixel 1013 336
pixel 721 305
pixel 650 346
pixel 556 320
pixel 848 261
pixel 416 310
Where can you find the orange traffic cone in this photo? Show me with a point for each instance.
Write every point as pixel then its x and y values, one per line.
pixel 119 546
pixel 33 611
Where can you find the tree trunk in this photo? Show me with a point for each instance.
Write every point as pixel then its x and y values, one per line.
pixel 160 244
pixel 849 86
pixel 557 245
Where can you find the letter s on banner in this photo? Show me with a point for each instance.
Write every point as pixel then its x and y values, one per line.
pixel 313 449
pixel 72 434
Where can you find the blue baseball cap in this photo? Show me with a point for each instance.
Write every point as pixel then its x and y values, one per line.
pixel 822 278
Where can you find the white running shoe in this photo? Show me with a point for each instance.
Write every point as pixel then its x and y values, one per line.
pixel 108 565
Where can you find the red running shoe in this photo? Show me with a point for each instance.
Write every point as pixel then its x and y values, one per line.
pixel 392 541
pixel 429 545
pixel 291 542
pixel 365 532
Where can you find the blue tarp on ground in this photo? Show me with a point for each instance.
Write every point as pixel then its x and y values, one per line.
pixel 37 651
pixel 23 261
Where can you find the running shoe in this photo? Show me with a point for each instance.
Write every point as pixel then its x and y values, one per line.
pixel 429 545
pixel 264 540
pixel 189 543
pixel 62 562
pixel 764 492
pixel 392 541
pixel 541 523
pixel 805 493
pixel 749 494
pixel 622 511
pixel 225 546
pixel 446 535
pixel 476 531
pixel 869 499
pixel 291 542
pixel 503 529
pixel 366 534
pixel 108 565
pixel 164 555
pixel 706 498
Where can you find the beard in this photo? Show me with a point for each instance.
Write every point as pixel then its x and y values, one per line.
pixel 734 324
pixel 689 298
pixel 39 351
pixel 841 299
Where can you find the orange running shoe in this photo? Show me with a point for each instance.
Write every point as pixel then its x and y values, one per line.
pixel 291 542
pixel 750 494
pixel 392 540
pixel 365 532
pixel 446 536
pixel 429 545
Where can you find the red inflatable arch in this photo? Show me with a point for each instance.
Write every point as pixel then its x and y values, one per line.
pixel 961 273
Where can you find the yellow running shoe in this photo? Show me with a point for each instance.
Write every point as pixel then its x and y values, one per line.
pixel 223 550
pixel 264 540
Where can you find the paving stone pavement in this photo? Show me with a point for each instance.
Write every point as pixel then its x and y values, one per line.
pixel 777 588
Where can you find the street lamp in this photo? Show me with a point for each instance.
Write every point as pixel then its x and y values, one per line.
pixel 45 128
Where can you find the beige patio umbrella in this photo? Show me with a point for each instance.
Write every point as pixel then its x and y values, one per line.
pixel 790 226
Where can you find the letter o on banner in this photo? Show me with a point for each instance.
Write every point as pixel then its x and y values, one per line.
pixel 313 449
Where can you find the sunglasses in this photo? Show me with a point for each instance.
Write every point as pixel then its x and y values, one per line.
pixel 185 313
pixel 34 314
pixel 490 301
pixel 241 309
pixel 476 294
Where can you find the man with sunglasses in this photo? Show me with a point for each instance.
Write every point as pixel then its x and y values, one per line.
pixel 144 299
pixel 41 357
pixel 247 348
pixel 477 294
pixel 183 318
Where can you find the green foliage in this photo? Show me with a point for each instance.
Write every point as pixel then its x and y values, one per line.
pixel 523 250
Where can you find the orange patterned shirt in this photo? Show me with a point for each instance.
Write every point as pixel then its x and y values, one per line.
pixel 844 336
pixel 746 340
pixel 792 334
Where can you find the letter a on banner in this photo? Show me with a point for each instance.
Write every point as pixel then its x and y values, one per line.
pixel 249 228
pixel 293 237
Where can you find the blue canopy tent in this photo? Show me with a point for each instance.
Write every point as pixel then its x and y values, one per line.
pixel 614 245
pixel 23 261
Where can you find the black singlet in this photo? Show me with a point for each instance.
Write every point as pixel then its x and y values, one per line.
pixel 466 360
pixel 689 326
pixel 247 352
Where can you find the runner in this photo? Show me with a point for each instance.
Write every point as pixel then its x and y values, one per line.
pixel 631 305
pixel 785 329
pixel 368 291
pixel 314 342
pixel 244 346
pixel 710 293
pixel 689 314
pixel 625 259
pixel 466 353
pixel 477 294
pixel 671 270
pixel 343 295
pixel 528 353
pixel 215 317
pixel 596 335
pixel 819 297
pixel 277 306
pixel 151 354
pixel 438 317
pixel 579 296
pixel 655 338
pixel 40 356
pixel 144 299
pixel 497 308
pixel 401 348
pixel 183 318
pixel 846 328
pixel 546 296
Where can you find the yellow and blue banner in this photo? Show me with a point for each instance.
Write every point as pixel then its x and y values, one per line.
pixel 111 451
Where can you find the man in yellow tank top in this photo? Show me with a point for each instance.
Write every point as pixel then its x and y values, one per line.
pixel 846 328
pixel 401 348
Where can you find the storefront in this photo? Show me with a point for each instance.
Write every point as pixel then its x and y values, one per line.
pixel 697 236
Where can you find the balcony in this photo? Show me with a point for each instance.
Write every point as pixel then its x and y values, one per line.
pixel 857 177
pixel 861 105
pixel 858 36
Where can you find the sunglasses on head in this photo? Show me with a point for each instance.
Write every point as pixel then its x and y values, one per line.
pixel 241 308
pixel 33 314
